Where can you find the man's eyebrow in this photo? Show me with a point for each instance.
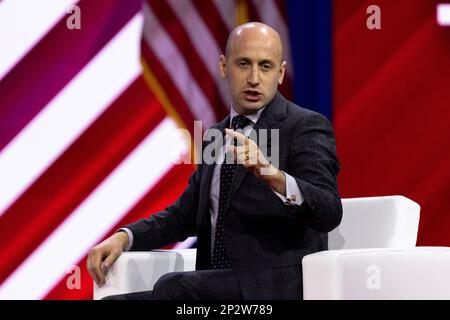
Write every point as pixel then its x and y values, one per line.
pixel 267 61
pixel 242 59
pixel 238 59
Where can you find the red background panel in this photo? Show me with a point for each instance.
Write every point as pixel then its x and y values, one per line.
pixel 392 107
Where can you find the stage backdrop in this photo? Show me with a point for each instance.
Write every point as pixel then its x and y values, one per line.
pixel 391 107
pixel 92 91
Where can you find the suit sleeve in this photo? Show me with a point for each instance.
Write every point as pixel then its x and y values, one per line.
pixel 173 224
pixel 314 166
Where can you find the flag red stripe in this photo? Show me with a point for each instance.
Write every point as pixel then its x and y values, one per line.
pixel 181 39
pixel 252 12
pixel 166 82
pixel 213 20
pixel 164 193
pixel 282 8
pixel 55 60
pixel 76 173
pixel 286 88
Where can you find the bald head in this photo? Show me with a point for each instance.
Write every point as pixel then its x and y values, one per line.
pixel 254 31
pixel 253 66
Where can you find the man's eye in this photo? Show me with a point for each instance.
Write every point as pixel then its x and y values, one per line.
pixel 266 67
pixel 242 64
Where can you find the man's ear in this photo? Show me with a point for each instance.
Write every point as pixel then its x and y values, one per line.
pixel 223 66
pixel 282 72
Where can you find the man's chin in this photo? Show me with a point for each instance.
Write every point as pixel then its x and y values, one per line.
pixel 249 107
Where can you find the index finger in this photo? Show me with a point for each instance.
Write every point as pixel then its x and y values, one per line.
pixel 239 136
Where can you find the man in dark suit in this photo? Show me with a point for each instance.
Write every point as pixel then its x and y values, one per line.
pixel 254 221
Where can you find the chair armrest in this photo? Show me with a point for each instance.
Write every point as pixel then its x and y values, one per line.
pixel 412 273
pixel 139 271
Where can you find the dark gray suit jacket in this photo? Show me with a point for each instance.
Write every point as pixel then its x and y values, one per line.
pixel 264 238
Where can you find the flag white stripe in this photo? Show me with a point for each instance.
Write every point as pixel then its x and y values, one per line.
pixel 95 217
pixel 176 66
pixel 59 124
pixel 443 14
pixel 23 24
pixel 203 41
pixel 227 10
pixel 270 14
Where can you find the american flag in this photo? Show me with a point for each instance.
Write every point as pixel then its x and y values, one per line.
pixel 86 116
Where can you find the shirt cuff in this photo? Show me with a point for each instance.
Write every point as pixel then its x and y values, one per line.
pixel 130 238
pixel 293 193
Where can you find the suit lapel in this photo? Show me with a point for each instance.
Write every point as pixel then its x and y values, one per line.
pixel 270 118
pixel 209 169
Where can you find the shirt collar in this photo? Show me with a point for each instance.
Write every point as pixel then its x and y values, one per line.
pixel 253 117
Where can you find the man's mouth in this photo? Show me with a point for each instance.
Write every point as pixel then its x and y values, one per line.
pixel 252 95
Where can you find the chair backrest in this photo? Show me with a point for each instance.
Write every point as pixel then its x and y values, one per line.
pixel 376 222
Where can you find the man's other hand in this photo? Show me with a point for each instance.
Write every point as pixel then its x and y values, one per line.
pixel 102 256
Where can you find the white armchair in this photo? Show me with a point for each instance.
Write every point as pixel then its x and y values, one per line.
pixel 372 255
pixel 139 271
pixel 376 222
pixel 369 274
pixel 373 222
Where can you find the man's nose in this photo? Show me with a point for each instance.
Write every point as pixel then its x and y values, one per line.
pixel 253 78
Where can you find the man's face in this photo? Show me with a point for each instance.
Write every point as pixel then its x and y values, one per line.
pixel 253 68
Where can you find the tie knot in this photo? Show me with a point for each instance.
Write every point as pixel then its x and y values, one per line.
pixel 240 122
